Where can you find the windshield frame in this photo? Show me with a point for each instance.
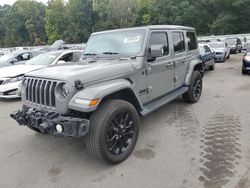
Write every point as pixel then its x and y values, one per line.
pixel 141 52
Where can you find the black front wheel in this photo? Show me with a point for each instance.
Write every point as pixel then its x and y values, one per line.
pixel 194 89
pixel 114 130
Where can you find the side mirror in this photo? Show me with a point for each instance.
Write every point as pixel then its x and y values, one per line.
pixel 61 62
pixel 156 51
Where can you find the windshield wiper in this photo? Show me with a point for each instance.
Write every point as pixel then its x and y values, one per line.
pixel 90 54
pixel 110 53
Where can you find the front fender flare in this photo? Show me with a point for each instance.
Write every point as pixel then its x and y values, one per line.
pixel 98 91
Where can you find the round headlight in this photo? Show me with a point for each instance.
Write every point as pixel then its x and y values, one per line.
pixel 66 90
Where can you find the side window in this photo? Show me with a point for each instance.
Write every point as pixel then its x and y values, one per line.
pixel 207 49
pixel 23 57
pixel 192 41
pixel 178 42
pixel 160 38
pixel 201 50
pixel 67 57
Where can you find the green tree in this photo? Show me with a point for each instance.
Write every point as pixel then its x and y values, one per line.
pixel 3 10
pixel 56 20
pixel 80 20
pixel 24 24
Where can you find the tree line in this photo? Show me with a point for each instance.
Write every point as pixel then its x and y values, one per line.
pixel 28 22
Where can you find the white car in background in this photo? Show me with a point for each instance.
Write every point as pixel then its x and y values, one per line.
pixel 11 77
pixel 221 49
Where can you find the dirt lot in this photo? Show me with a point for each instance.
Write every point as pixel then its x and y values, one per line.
pixel 181 145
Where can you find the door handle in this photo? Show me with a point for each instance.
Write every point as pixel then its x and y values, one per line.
pixel 169 64
pixel 184 60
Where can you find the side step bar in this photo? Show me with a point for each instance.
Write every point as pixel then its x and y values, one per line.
pixel 162 101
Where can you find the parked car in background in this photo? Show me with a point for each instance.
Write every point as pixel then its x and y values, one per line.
pixel 10 77
pixel 235 45
pixel 207 56
pixel 221 49
pixel 15 58
pixel 246 63
pixel 244 46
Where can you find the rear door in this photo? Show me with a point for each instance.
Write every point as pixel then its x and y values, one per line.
pixel 160 72
pixel 180 58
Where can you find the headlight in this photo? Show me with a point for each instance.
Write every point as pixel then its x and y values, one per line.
pixel 14 79
pixel 247 58
pixel 66 90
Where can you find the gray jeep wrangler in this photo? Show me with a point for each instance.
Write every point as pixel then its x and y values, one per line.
pixel 122 75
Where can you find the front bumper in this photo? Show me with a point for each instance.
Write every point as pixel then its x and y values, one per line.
pixel 46 122
pixel 219 57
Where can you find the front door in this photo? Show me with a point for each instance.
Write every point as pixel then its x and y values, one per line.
pixel 160 72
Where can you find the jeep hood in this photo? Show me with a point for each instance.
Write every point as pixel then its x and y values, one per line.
pixel 16 70
pixel 89 72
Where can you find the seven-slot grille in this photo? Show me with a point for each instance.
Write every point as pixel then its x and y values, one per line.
pixel 40 91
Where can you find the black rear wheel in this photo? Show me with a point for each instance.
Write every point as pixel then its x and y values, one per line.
pixel 113 131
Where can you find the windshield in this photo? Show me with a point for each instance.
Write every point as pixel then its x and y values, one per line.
pixel 6 58
pixel 43 59
pixel 124 43
pixel 231 41
pixel 216 45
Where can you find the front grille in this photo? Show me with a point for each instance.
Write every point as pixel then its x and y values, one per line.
pixel 40 91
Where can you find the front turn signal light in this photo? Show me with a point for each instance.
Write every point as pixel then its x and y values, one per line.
pixel 94 102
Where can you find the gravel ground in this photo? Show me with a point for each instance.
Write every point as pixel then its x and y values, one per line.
pixel 181 145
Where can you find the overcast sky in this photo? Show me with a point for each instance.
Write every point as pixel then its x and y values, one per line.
pixel 10 2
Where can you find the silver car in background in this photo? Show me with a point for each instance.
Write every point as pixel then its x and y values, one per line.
pixel 222 50
pixel 11 77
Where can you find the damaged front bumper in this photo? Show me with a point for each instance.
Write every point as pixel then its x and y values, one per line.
pixel 51 122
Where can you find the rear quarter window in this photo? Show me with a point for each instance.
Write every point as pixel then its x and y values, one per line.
pixel 191 40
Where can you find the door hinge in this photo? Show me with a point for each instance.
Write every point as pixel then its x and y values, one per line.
pixel 148 70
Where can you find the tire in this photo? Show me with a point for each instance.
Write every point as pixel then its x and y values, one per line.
pixel 194 89
pixel 212 67
pixel 106 134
